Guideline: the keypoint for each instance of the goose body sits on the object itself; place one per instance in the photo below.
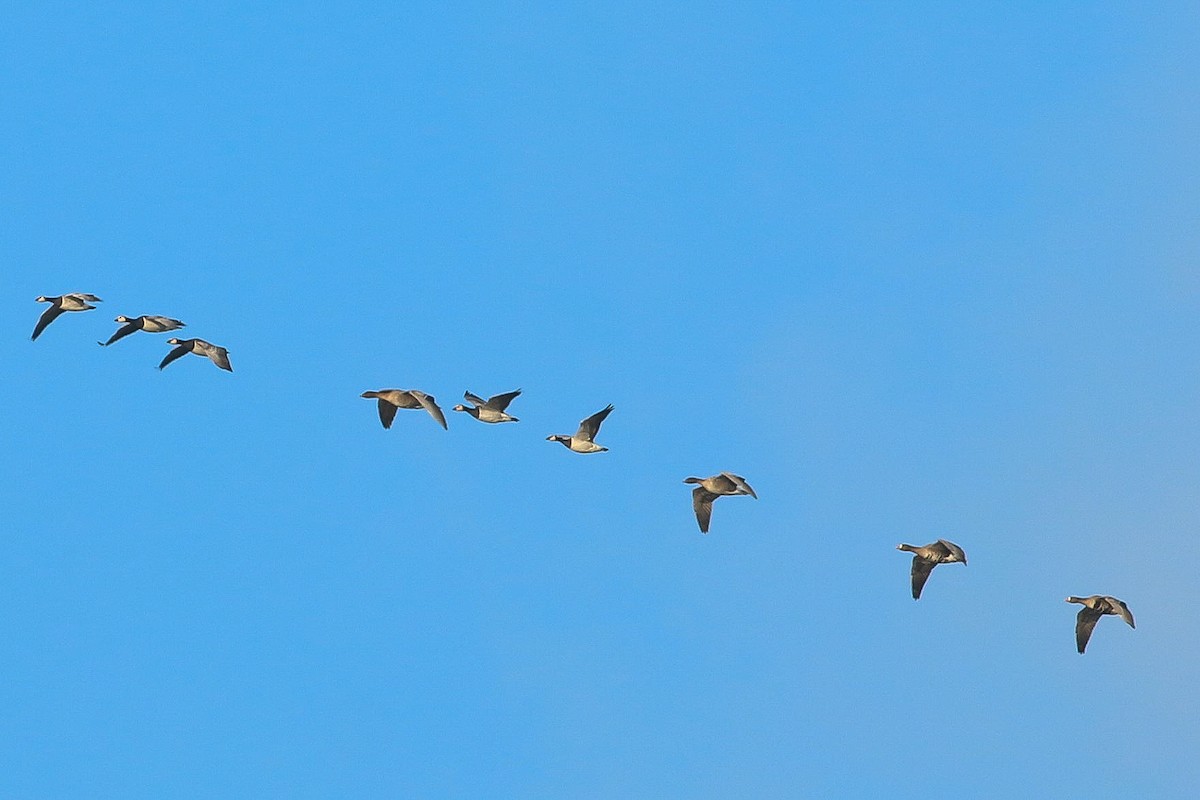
(491, 410)
(928, 556)
(582, 440)
(218, 355)
(722, 484)
(76, 301)
(147, 323)
(392, 399)
(1095, 607)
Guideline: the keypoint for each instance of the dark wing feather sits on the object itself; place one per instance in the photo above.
(387, 413)
(921, 569)
(501, 401)
(748, 488)
(951, 549)
(1122, 610)
(121, 333)
(739, 483)
(474, 399)
(220, 357)
(1084, 623)
(179, 352)
(48, 316)
(702, 501)
(429, 404)
(589, 427)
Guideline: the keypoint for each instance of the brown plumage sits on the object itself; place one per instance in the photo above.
(926, 557)
(723, 484)
(1095, 607)
(392, 399)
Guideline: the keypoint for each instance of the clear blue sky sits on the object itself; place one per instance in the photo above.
(916, 270)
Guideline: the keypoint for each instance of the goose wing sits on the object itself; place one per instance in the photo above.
(49, 315)
(501, 401)
(702, 502)
(589, 427)
(1085, 622)
(220, 357)
(179, 352)
(921, 569)
(1121, 610)
(121, 333)
(953, 550)
(428, 403)
(387, 413)
(474, 399)
(739, 484)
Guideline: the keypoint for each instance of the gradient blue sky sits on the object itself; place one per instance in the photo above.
(917, 270)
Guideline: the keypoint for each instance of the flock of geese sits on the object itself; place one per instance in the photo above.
(494, 410)
(80, 301)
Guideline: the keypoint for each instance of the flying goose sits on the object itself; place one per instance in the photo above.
(582, 442)
(218, 355)
(392, 399)
(1094, 608)
(76, 301)
(490, 410)
(149, 324)
(709, 489)
(929, 556)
